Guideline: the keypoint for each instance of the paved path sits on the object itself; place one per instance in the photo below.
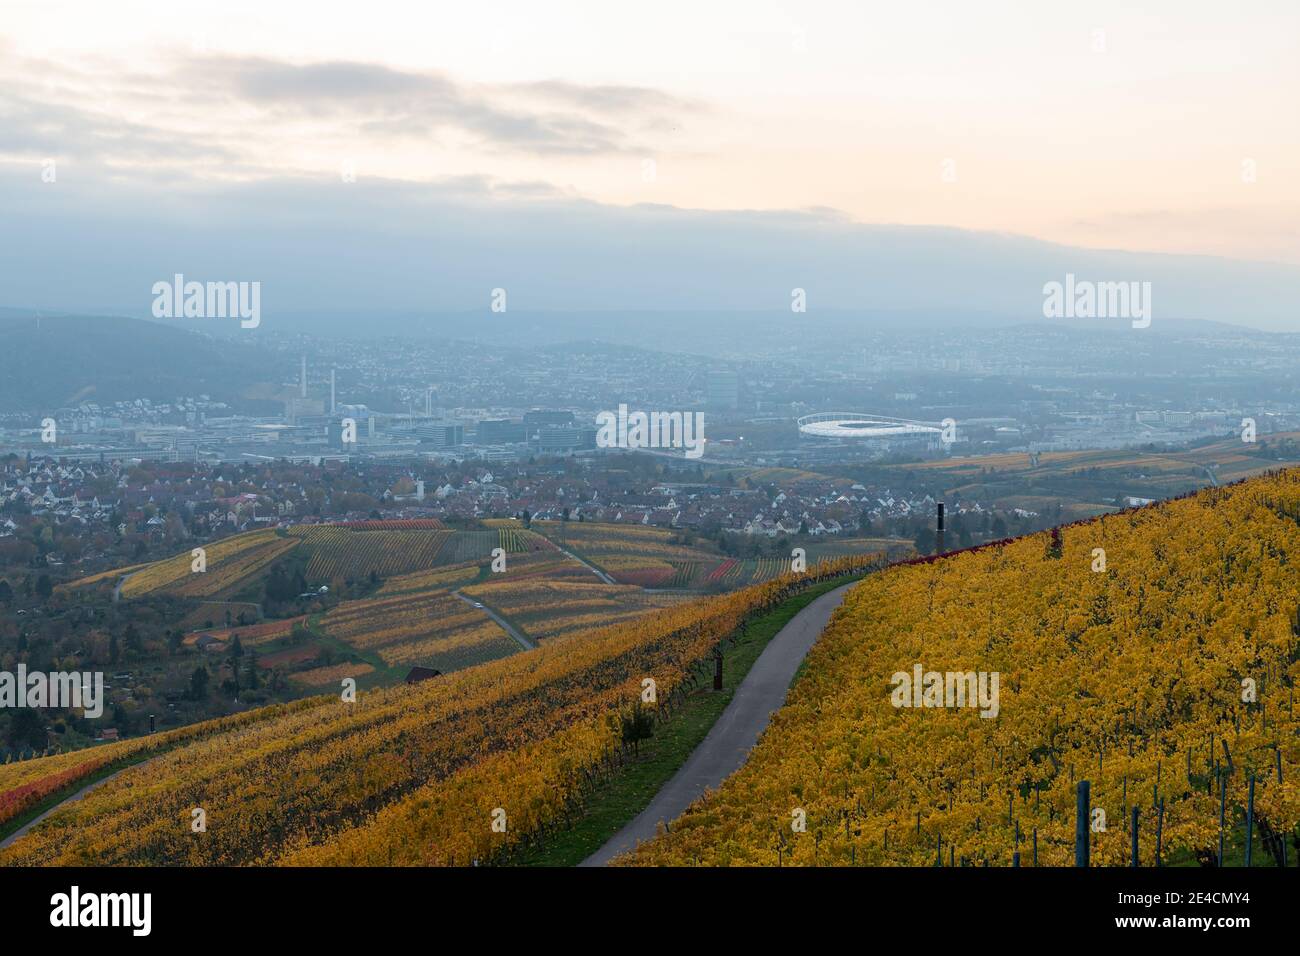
(588, 565)
(117, 591)
(728, 743)
(526, 643)
(22, 830)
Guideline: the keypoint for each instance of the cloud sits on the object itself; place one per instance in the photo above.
(234, 110)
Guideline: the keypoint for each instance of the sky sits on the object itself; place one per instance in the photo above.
(1164, 128)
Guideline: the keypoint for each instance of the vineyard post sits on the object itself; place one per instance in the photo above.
(1160, 826)
(1081, 825)
(717, 669)
(1133, 856)
(1250, 817)
(1223, 800)
(1035, 846)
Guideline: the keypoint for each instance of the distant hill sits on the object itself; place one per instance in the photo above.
(59, 360)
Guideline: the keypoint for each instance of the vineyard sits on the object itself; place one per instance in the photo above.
(434, 628)
(23, 785)
(1152, 653)
(545, 607)
(230, 562)
(344, 553)
(408, 775)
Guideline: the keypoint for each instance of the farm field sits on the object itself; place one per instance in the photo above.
(1131, 677)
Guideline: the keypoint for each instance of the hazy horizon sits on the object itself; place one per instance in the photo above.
(878, 159)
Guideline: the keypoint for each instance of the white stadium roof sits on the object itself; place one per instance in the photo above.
(853, 425)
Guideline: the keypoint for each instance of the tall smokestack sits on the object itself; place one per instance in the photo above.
(304, 376)
(331, 391)
(428, 402)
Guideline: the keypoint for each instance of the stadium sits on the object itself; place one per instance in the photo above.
(874, 430)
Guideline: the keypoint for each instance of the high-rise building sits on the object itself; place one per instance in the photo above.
(722, 389)
(441, 435)
(539, 418)
(500, 431)
(564, 438)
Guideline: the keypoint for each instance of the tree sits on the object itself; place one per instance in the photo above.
(27, 729)
(6, 593)
(44, 587)
(199, 684)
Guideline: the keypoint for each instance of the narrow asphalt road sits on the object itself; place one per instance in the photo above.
(524, 642)
(22, 830)
(588, 565)
(728, 744)
(117, 591)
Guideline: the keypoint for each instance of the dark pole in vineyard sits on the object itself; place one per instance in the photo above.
(1250, 817)
(1081, 825)
(1133, 855)
(717, 668)
(1160, 826)
(938, 535)
(1223, 800)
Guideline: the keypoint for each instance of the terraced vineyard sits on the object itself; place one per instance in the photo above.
(343, 553)
(406, 775)
(545, 607)
(434, 629)
(1153, 653)
(231, 562)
